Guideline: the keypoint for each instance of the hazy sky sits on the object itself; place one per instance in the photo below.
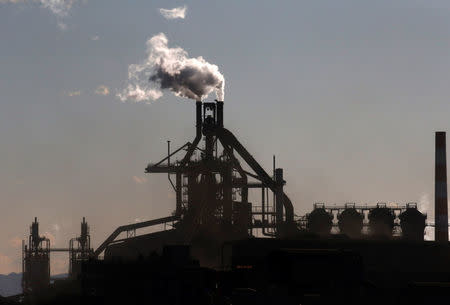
(347, 94)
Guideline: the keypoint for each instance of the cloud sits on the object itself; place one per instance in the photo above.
(73, 93)
(95, 38)
(12, 1)
(102, 90)
(59, 8)
(139, 180)
(175, 13)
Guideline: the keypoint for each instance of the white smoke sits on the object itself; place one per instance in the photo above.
(177, 12)
(426, 207)
(136, 93)
(172, 69)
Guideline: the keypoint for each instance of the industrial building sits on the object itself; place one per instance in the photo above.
(336, 254)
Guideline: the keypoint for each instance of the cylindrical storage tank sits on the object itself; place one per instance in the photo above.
(36, 275)
(412, 223)
(381, 222)
(320, 221)
(351, 222)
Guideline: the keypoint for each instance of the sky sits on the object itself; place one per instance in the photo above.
(346, 94)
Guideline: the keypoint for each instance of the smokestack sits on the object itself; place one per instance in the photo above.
(198, 105)
(219, 113)
(440, 189)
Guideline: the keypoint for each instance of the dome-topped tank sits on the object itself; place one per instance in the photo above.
(381, 221)
(412, 222)
(351, 222)
(320, 221)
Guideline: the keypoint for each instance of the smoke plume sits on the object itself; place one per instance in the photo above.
(172, 69)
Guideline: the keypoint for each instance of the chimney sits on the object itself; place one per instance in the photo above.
(219, 113)
(440, 190)
(198, 125)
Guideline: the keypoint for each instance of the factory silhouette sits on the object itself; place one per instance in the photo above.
(208, 252)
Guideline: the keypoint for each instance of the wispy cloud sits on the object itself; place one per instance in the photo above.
(12, 1)
(95, 38)
(175, 13)
(139, 180)
(73, 93)
(102, 90)
(59, 8)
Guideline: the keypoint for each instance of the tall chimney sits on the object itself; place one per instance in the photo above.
(440, 190)
(198, 123)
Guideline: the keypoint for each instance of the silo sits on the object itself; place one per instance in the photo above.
(351, 222)
(320, 221)
(412, 222)
(381, 221)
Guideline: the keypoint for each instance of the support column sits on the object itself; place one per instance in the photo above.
(227, 196)
(279, 196)
(178, 193)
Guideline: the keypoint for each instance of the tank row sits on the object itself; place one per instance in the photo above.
(377, 221)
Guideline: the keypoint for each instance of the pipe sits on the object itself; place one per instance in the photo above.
(440, 189)
(198, 122)
(133, 226)
(279, 198)
(227, 138)
(178, 193)
(219, 113)
(263, 209)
